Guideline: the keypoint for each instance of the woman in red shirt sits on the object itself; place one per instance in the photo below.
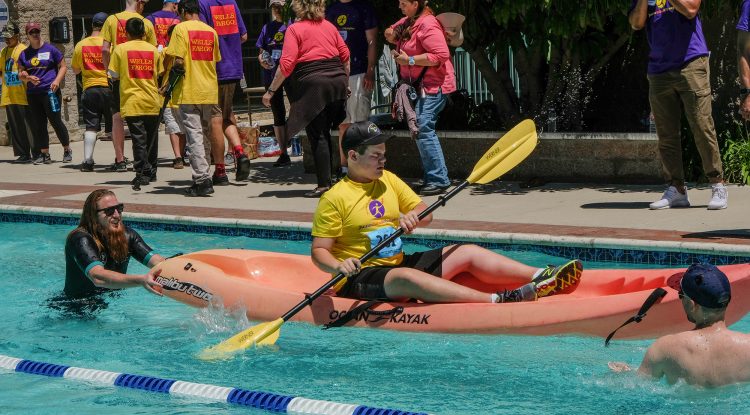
(421, 46)
(316, 61)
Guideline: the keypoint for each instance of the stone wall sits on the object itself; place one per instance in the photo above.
(560, 157)
(42, 11)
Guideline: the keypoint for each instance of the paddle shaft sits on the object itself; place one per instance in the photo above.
(387, 241)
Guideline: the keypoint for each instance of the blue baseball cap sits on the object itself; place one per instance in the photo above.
(705, 284)
(99, 19)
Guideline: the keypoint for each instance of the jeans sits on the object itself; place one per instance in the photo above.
(433, 162)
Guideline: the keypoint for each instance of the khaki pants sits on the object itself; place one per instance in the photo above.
(196, 120)
(690, 88)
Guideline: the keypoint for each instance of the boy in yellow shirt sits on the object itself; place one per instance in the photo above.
(114, 33)
(137, 65)
(97, 97)
(370, 203)
(14, 93)
(194, 47)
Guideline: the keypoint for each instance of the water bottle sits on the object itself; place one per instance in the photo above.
(267, 58)
(296, 146)
(54, 103)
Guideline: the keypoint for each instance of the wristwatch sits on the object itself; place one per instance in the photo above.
(744, 91)
(411, 60)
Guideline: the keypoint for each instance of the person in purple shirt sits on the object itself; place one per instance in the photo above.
(743, 58)
(270, 43)
(43, 68)
(358, 26)
(678, 77)
(224, 16)
(163, 20)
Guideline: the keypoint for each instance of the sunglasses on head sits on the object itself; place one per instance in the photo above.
(109, 211)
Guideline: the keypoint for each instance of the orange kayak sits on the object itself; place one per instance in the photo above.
(268, 284)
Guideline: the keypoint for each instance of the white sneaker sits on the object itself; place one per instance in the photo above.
(671, 198)
(719, 197)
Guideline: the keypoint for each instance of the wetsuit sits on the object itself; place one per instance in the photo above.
(82, 254)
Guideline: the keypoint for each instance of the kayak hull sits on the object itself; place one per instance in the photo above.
(267, 285)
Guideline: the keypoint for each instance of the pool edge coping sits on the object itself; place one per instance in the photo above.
(424, 233)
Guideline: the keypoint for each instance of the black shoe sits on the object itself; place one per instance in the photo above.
(201, 189)
(222, 180)
(120, 166)
(47, 158)
(431, 190)
(523, 293)
(141, 180)
(22, 160)
(243, 168)
(87, 166)
(283, 160)
(317, 192)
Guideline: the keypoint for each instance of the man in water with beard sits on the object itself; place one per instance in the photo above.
(97, 252)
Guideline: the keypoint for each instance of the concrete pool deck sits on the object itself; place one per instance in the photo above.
(576, 211)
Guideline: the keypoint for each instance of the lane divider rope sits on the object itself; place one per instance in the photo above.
(256, 399)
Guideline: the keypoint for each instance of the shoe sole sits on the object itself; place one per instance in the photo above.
(717, 208)
(670, 206)
(565, 282)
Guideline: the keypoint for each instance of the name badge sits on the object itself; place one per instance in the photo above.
(276, 54)
(44, 56)
(12, 79)
(379, 235)
(343, 34)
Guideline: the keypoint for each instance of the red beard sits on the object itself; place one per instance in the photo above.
(117, 243)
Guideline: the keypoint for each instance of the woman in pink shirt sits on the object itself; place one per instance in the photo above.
(421, 46)
(316, 61)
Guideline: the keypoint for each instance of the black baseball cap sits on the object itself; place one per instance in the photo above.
(705, 284)
(362, 133)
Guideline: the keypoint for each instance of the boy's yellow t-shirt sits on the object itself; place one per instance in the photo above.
(113, 30)
(87, 56)
(14, 91)
(138, 65)
(198, 45)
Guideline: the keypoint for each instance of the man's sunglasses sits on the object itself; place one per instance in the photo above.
(109, 211)
(35, 32)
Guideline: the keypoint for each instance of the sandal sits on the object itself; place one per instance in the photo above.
(317, 192)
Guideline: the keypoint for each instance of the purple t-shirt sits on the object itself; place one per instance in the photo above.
(41, 63)
(271, 39)
(224, 16)
(674, 39)
(744, 22)
(162, 20)
(352, 20)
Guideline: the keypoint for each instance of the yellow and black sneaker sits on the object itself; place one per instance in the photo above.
(561, 279)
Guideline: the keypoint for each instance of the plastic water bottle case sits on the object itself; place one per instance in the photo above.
(54, 102)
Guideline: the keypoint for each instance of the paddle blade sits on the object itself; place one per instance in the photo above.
(510, 150)
(264, 334)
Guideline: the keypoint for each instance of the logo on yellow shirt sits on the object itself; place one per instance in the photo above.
(341, 20)
(377, 209)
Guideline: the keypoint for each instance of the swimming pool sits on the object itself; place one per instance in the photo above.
(435, 373)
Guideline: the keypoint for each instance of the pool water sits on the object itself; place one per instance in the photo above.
(437, 373)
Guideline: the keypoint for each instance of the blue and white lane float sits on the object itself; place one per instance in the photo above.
(255, 399)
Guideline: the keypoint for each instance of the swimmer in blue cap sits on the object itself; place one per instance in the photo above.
(709, 355)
